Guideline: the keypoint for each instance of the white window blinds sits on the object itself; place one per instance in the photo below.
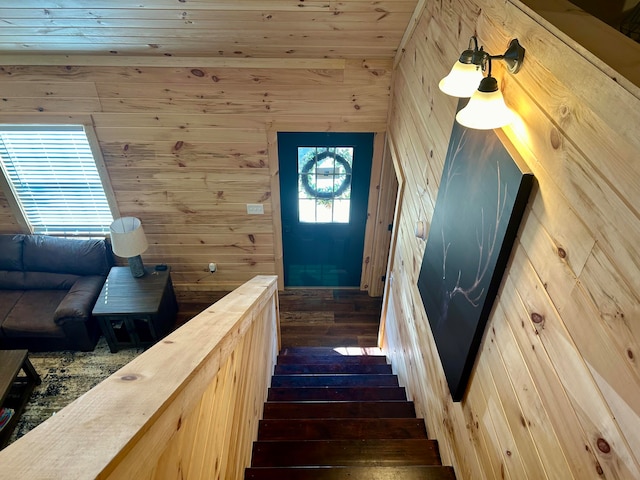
(54, 178)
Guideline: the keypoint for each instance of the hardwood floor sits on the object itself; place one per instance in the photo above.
(312, 317)
(329, 318)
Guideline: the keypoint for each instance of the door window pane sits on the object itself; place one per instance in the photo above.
(307, 209)
(324, 181)
(341, 211)
(324, 212)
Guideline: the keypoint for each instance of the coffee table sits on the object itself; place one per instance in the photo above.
(136, 312)
(14, 388)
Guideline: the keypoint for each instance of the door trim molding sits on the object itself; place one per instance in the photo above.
(366, 279)
(276, 216)
(399, 172)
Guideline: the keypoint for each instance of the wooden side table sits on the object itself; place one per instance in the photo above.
(15, 390)
(136, 312)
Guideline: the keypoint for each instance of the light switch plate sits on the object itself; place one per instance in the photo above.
(255, 209)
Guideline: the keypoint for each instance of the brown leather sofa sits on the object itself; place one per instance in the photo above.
(48, 287)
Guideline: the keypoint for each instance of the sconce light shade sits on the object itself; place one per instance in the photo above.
(128, 241)
(462, 81)
(486, 108)
(485, 111)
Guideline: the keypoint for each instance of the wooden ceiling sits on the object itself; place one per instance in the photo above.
(206, 28)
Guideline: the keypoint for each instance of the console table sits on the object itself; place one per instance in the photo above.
(15, 389)
(136, 312)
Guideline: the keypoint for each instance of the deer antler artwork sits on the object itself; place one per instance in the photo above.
(481, 199)
(486, 237)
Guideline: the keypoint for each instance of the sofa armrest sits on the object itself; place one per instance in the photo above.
(79, 301)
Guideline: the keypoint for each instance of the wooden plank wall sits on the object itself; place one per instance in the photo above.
(186, 408)
(555, 392)
(7, 219)
(186, 148)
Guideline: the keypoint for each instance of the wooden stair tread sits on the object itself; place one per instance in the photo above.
(339, 359)
(342, 380)
(333, 351)
(336, 368)
(341, 428)
(345, 453)
(423, 472)
(336, 393)
(345, 409)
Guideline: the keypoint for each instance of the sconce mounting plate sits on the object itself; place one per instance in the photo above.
(514, 56)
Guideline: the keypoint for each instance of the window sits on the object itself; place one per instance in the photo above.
(324, 184)
(52, 175)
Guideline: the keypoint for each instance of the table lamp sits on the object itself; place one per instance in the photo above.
(128, 241)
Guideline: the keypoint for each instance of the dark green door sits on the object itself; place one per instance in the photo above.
(324, 189)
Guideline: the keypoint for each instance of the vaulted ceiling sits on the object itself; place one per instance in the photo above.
(206, 28)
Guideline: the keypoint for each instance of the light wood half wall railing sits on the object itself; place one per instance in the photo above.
(186, 408)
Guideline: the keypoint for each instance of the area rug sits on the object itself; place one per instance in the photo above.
(65, 376)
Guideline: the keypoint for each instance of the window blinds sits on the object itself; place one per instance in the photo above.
(55, 180)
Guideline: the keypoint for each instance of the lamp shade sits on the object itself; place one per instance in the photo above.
(462, 81)
(485, 111)
(127, 237)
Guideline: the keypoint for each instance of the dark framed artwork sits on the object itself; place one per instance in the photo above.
(482, 196)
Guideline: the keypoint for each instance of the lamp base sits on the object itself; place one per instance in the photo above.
(136, 266)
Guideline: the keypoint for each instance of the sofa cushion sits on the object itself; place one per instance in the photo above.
(32, 315)
(11, 252)
(64, 255)
(37, 280)
(11, 280)
(8, 299)
(49, 281)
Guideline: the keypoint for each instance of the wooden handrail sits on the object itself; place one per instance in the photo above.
(186, 408)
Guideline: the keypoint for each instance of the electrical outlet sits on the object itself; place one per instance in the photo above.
(255, 209)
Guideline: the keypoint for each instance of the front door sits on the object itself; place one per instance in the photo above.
(324, 189)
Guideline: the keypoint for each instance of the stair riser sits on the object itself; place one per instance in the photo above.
(380, 409)
(345, 453)
(341, 429)
(352, 473)
(294, 369)
(307, 359)
(336, 394)
(347, 380)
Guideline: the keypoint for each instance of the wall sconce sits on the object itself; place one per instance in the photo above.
(486, 108)
(128, 241)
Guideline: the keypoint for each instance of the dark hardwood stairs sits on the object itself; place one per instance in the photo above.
(337, 417)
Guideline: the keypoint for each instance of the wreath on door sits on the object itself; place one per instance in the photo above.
(326, 193)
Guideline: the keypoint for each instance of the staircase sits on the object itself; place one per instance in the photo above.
(337, 417)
